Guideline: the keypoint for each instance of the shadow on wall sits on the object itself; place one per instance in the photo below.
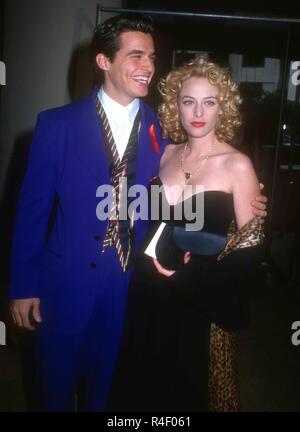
(14, 179)
(81, 79)
(81, 73)
(13, 182)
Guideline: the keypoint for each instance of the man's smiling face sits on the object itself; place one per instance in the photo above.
(129, 74)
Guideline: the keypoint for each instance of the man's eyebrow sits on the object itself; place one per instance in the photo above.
(136, 51)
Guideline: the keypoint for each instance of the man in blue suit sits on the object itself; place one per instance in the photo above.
(71, 270)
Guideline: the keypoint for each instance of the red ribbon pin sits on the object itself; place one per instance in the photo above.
(155, 145)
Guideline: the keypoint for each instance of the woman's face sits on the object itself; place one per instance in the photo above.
(199, 108)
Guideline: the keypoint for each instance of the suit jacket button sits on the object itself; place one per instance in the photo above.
(93, 265)
(97, 238)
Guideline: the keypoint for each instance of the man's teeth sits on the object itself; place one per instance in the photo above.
(142, 79)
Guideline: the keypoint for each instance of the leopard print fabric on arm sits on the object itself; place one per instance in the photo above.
(223, 386)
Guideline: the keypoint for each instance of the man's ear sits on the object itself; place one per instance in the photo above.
(103, 62)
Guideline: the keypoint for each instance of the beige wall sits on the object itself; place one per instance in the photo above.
(43, 38)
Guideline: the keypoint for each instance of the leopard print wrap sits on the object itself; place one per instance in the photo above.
(223, 387)
(223, 378)
(250, 234)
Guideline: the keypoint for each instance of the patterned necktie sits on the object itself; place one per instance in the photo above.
(118, 233)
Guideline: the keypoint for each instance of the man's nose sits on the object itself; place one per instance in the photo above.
(148, 65)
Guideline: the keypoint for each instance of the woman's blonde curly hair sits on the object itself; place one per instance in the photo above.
(229, 99)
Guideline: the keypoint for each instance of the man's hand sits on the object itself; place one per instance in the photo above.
(168, 273)
(21, 309)
(259, 205)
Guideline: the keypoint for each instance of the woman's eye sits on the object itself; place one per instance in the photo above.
(187, 102)
(210, 103)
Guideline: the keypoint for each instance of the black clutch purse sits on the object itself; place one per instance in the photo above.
(198, 242)
(176, 240)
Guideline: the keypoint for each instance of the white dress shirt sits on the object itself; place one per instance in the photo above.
(120, 118)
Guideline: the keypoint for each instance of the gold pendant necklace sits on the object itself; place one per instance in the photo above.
(187, 174)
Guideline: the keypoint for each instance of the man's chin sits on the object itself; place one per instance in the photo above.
(141, 91)
(144, 94)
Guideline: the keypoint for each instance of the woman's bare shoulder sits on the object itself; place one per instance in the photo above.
(238, 162)
(170, 150)
(172, 147)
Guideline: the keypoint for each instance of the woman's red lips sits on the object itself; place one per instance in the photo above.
(198, 124)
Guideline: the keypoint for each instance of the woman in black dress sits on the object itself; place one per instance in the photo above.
(185, 304)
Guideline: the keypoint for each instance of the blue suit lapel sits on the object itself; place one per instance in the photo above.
(147, 163)
(90, 144)
(147, 159)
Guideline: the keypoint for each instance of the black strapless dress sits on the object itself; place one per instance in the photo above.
(163, 360)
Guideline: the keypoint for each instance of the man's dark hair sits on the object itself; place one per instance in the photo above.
(106, 38)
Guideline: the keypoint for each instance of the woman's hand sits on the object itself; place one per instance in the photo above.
(166, 272)
(161, 269)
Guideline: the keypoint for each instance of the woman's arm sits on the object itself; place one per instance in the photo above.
(245, 186)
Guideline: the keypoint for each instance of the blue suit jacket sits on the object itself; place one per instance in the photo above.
(67, 164)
